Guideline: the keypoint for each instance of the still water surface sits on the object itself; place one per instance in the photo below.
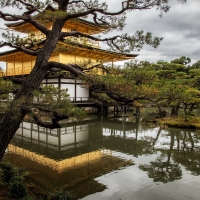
(111, 158)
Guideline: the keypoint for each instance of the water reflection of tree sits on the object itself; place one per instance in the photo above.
(182, 149)
(188, 154)
(162, 169)
(134, 146)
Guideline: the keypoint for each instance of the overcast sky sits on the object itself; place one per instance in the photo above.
(180, 28)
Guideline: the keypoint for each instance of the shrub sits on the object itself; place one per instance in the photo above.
(62, 195)
(28, 198)
(17, 189)
(17, 178)
(2, 183)
(7, 171)
(14, 177)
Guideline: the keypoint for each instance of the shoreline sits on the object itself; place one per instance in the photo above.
(191, 122)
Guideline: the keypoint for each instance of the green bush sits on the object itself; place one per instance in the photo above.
(17, 178)
(28, 198)
(17, 189)
(7, 171)
(14, 178)
(2, 183)
(62, 195)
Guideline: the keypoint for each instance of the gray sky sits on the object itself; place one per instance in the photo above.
(180, 28)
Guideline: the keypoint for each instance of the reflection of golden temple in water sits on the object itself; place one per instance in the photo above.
(62, 158)
(62, 165)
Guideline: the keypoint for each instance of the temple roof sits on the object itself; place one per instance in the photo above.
(101, 54)
(78, 24)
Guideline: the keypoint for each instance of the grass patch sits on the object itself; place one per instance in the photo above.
(180, 122)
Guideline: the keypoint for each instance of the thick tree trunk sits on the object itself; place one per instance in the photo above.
(13, 117)
(185, 109)
(8, 127)
(192, 108)
(174, 111)
(161, 113)
(11, 120)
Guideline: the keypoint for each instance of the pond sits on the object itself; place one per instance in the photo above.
(111, 158)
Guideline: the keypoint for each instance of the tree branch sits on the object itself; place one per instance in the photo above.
(17, 81)
(72, 68)
(122, 43)
(126, 5)
(55, 118)
(39, 122)
(25, 50)
(26, 17)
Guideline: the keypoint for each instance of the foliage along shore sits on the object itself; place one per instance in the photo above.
(192, 122)
(13, 186)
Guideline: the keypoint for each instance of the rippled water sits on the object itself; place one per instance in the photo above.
(111, 158)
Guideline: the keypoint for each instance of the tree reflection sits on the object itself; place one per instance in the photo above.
(175, 147)
(136, 146)
(162, 169)
(188, 153)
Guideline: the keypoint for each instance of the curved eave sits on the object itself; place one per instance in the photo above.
(73, 24)
(99, 54)
(14, 55)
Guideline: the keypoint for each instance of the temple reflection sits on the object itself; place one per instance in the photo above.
(64, 158)
(73, 156)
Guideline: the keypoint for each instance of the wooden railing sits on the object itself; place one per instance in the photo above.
(2, 73)
(18, 71)
(80, 99)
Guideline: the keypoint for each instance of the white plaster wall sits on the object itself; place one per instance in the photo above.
(67, 80)
(67, 139)
(26, 133)
(55, 85)
(52, 131)
(82, 136)
(35, 135)
(53, 140)
(67, 134)
(55, 80)
(42, 137)
(19, 131)
(68, 130)
(26, 125)
(70, 87)
(82, 92)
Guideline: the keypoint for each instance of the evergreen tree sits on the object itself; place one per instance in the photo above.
(59, 13)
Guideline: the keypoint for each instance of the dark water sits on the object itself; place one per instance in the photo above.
(111, 158)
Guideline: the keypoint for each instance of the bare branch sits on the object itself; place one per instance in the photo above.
(121, 43)
(55, 118)
(26, 17)
(23, 49)
(126, 5)
(31, 9)
(100, 66)
(73, 68)
(17, 80)
(39, 122)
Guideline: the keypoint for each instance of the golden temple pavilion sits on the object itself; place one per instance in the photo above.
(76, 50)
